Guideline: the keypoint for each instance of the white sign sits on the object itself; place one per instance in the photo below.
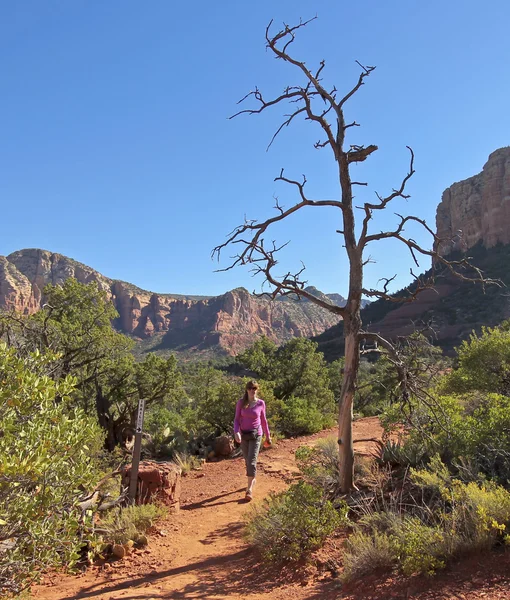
(139, 416)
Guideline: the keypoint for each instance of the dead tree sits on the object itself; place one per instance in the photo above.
(324, 106)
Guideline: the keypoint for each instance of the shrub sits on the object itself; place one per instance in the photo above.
(366, 552)
(420, 548)
(385, 540)
(432, 518)
(319, 465)
(47, 459)
(299, 417)
(128, 523)
(291, 525)
(476, 515)
(187, 462)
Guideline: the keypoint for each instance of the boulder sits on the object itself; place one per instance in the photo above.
(157, 482)
(223, 445)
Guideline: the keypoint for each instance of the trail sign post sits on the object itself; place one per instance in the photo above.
(135, 463)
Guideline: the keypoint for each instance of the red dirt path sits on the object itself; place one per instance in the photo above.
(200, 552)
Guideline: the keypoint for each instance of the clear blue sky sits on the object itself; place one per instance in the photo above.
(116, 150)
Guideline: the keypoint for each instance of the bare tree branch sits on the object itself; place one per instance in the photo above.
(317, 103)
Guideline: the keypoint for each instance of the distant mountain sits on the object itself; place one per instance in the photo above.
(228, 323)
(335, 299)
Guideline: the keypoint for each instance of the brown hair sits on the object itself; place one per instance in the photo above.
(249, 385)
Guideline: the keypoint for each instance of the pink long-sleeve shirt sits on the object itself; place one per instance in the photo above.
(248, 419)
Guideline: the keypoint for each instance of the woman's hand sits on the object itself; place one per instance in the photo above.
(237, 437)
(268, 443)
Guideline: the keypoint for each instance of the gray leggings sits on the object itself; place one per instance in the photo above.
(250, 450)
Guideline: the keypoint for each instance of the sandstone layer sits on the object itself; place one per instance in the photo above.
(477, 209)
(231, 321)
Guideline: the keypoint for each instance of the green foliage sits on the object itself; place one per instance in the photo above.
(128, 523)
(420, 548)
(218, 404)
(319, 465)
(475, 515)
(187, 462)
(76, 322)
(291, 525)
(367, 552)
(170, 430)
(435, 518)
(404, 542)
(399, 454)
(260, 358)
(299, 417)
(302, 372)
(299, 377)
(483, 364)
(46, 446)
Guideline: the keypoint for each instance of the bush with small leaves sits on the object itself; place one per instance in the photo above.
(300, 417)
(122, 525)
(366, 552)
(292, 524)
(389, 540)
(319, 465)
(47, 459)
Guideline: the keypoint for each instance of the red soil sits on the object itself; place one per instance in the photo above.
(200, 553)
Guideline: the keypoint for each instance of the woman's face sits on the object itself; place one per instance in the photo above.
(252, 392)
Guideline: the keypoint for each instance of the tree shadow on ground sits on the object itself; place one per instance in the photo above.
(236, 573)
(207, 502)
(242, 574)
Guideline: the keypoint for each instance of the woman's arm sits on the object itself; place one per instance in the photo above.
(263, 421)
(237, 418)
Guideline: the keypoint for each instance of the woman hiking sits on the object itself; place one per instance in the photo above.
(249, 424)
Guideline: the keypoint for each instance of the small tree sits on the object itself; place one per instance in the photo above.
(76, 323)
(48, 456)
(324, 106)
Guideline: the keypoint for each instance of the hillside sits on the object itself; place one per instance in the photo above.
(219, 325)
(472, 220)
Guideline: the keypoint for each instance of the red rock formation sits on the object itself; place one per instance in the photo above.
(231, 321)
(477, 209)
(157, 481)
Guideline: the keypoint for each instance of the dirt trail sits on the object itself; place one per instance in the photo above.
(200, 552)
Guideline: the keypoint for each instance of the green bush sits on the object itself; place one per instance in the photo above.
(420, 548)
(128, 523)
(387, 540)
(475, 515)
(299, 417)
(366, 552)
(47, 459)
(434, 518)
(319, 465)
(291, 525)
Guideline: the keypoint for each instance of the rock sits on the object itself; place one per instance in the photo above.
(477, 209)
(118, 551)
(231, 321)
(141, 540)
(157, 481)
(223, 445)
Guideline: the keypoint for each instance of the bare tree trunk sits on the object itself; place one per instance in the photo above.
(345, 413)
(315, 102)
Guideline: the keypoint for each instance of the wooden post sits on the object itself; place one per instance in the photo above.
(135, 463)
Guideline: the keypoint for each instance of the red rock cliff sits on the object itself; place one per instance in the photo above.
(477, 209)
(231, 321)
